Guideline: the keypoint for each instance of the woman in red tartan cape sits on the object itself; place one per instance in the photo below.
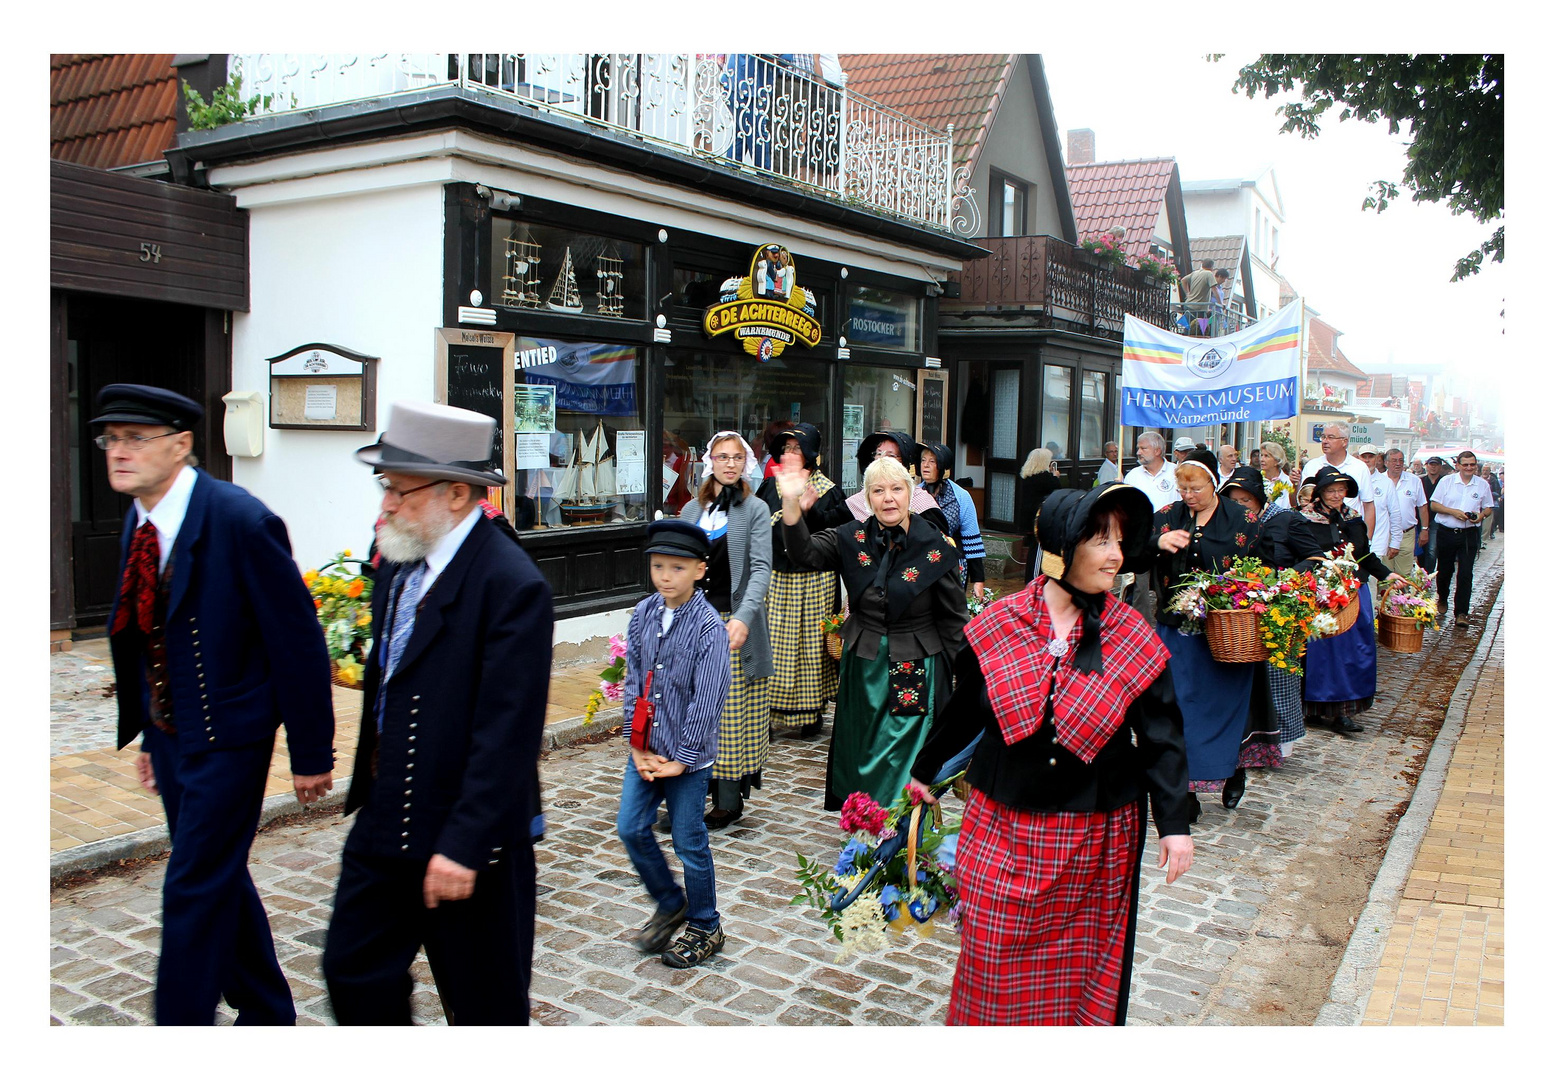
(1055, 681)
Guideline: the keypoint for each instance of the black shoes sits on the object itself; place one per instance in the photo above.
(719, 819)
(656, 933)
(693, 947)
(1194, 808)
(1232, 789)
(1345, 723)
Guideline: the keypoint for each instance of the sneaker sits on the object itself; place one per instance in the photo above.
(656, 933)
(693, 947)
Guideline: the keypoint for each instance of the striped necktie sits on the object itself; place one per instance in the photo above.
(400, 627)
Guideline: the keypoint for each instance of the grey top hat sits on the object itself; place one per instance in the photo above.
(435, 441)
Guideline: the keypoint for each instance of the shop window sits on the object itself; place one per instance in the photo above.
(1058, 383)
(580, 445)
(545, 268)
(1094, 388)
(1004, 410)
(874, 399)
(882, 319)
(707, 392)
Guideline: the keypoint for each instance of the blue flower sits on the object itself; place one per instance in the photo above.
(921, 910)
(845, 864)
(891, 896)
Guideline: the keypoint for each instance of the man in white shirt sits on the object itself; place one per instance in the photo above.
(1459, 503)
(1387, 536)
(1413, 510)
(1153, 475)
(1226, 462)
(1333, 443)
(1109, 470)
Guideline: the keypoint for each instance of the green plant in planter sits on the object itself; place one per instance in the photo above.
(226, 106)
(1106, 247)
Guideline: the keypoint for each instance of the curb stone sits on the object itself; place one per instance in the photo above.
(1353, 982)
(144, 843)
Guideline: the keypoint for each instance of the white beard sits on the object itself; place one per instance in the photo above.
(403, 542)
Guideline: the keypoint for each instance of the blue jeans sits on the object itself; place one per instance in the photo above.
(684, 797)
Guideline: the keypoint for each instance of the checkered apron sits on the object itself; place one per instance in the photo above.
(1047, 914)
(804, 676)
(743, 726)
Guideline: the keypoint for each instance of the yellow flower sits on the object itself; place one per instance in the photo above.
(309, 577)
(346, 554)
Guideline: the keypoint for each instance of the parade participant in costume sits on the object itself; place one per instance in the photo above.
(215, 644)
(1077, 720)
(1284, 543)
(1036, 483)
(903, 631)
(454, 701)
(896, 445)
(962, 523)
(1340, 673)
(1202, 532)
(804, 676)
(739, 562)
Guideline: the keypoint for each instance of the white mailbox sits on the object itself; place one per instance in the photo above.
(243, 425)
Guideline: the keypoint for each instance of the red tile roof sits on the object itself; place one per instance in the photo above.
(1342, 364)
(111, 110)
(961, 89)
(1129, 194)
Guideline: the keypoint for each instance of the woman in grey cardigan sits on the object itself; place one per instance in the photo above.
(739, 563)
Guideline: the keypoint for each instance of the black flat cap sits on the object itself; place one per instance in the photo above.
(133, 403)
(672, 536)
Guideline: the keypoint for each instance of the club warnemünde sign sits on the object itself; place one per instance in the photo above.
(766, 310)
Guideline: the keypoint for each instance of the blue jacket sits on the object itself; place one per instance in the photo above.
(245, 651)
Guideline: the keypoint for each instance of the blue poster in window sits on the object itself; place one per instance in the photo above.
(589, 377)
(872, 323)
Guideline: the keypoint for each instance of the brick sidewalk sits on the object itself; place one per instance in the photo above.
(1443, 963)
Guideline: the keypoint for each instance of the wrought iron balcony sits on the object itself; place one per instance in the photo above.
(1061, 284)
(756, 112)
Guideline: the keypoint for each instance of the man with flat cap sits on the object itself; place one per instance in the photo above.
(454, 700)
(215, 644)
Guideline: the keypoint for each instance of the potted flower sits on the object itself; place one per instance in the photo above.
(1106, 247)
(1158, 270)
(612, 676)
(894, 870)
(343, 601)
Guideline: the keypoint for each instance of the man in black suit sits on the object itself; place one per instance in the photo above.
(453, 704)
(215, 644)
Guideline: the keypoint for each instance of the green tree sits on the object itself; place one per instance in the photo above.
(1453, 105)
(226, 106)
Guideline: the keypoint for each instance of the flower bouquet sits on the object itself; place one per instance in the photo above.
(977, 604)
(832, 630)
(611, 678)
(1250, 612)
(343, 601)
(1405, 611)
(1337, 585)
(895, 870)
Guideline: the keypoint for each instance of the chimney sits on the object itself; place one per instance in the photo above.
(1080, 146)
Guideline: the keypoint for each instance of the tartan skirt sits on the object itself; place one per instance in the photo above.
(743, 726)
(1048, 914)
(804, 677)
(1286, 694)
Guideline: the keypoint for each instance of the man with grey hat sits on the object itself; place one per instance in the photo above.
(215, 644)
(453, 705)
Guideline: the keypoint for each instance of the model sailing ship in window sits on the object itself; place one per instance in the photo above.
(608, 290)
(586, 493)
(564, 291)
(521, 271)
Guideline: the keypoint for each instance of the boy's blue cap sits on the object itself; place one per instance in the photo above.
(672, 536)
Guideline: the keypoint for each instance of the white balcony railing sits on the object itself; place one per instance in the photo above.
(757, 112)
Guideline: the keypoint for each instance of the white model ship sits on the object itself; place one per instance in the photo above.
(564, 291)
(587, 490)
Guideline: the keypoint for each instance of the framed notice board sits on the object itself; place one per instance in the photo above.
(930, 423)
(474, 369)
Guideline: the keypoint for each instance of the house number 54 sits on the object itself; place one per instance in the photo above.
(151, 253)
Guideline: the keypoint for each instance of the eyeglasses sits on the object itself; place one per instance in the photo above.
(133, 443)
(882, 451)
(728, 459)
(389, 488)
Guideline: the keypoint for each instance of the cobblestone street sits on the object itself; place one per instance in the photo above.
(1252, 935)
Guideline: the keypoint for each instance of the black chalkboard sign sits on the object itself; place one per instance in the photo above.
(476, 383)
(932, 409)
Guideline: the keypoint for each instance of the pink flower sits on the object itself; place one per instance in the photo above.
(861, 813)
(612, 690)
(618, 647)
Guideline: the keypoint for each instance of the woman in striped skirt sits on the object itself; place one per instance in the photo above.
(804, 676)
(739, 563)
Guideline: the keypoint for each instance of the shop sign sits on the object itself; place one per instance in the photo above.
(766, 310)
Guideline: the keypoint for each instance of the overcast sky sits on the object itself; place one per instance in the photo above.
(1382, 279)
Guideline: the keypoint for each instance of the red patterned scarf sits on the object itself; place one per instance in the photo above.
(1010, 639)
